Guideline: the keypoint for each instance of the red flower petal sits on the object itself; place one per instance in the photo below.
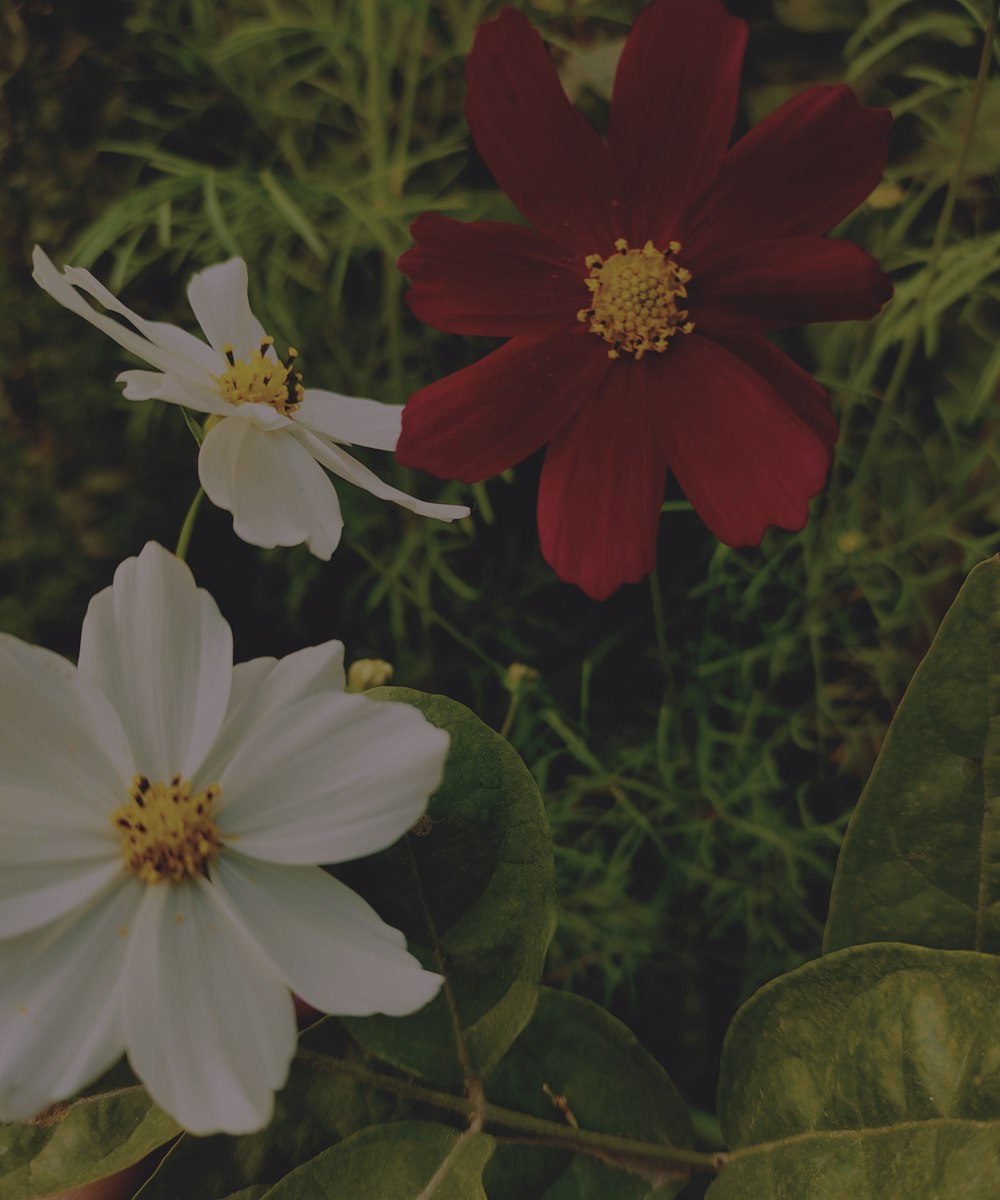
(490, 278)
(797, 388)
(487, 417)
(787, 281)
(801, 170)
(742, 456)
(602, 487)
(673, 108)
(542, 151)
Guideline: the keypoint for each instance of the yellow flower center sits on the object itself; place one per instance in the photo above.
(635, 296)
(262, 380)
(167, 830)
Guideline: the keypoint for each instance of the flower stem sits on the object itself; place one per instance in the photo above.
(541, 1130)
(188, 526)
(663, 717)
(656, 595)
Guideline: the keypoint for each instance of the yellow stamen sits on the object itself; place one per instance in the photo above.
(167, 830)
(635, 294)
(262, 380)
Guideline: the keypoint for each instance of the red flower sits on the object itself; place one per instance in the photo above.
(637, 305)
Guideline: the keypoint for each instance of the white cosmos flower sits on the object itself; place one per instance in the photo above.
(263, 455)
(162, 815)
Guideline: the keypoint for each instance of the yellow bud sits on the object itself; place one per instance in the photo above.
(886, 195)
(519, 674)
(368, 673)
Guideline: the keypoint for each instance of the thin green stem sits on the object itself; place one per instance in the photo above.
(426, 611)
(908, 349)
(188, 527)
(663, 717)
(508, 721)
(539, 1129)
(656, 595)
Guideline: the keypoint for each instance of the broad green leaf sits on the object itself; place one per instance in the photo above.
(476, 886)
(864, 1072)
(921, 859)
(814, 16)
(315, 1110)
(575, 1053)
(411, 1160)
(952, 1160)
(112, 1125)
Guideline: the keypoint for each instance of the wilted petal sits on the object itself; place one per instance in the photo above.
(342, 464)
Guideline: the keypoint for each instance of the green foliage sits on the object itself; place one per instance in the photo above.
(315, 1110)
(575, 1059)
(414, 1158)
(872, 1072)
(111, 1126)
(696, 797)
(921, 860)
(475, 892)
(815, 16)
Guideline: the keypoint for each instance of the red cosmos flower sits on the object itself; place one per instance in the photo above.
(636, 307)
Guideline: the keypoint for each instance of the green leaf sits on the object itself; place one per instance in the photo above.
(953, 1160)
(921, 859)
(111, 1126)
(411, 1160)
(313, 1111)
(871, 1073)
(475, 896)
(609, 1083)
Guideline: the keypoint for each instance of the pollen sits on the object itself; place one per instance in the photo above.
(262, 380)
(636, 298)
(166, 829)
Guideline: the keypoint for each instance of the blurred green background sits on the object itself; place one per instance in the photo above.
(696, 823)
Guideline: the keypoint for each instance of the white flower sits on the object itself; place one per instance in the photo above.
(162, 815)
(261, 457)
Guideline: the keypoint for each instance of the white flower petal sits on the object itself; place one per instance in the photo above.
(60, 1022)
(351, 419)
(342, 464)
(218, 298)
(264, 687)
(263, 416)
(49, 828)
(57, 735)
(158, 646)
(176, 352)
(209, 1025)
(276, 492)
(185, 345)
(190, 355)
(61, 290)
(330, 946)
(155, 385)
(336, 777)
(35, 894)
